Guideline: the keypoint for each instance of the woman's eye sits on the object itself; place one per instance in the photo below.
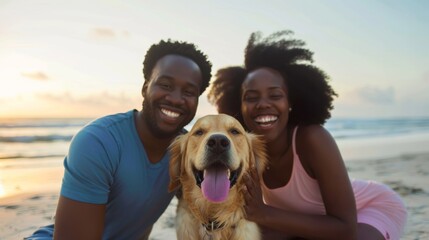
(276, 97)
(250, 99)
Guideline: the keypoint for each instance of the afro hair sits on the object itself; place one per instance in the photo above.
(310, 94)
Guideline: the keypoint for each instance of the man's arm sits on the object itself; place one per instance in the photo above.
(78, 220)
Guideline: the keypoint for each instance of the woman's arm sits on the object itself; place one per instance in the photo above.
(78, 220)
(320, 155)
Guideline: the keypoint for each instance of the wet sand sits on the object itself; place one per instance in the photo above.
(34, 195)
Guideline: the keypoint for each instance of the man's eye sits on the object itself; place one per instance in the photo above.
(165, 86)
(190, 93)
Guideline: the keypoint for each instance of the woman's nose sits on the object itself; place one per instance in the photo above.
(263, 103)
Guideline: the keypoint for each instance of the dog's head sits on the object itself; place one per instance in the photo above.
(214, 155)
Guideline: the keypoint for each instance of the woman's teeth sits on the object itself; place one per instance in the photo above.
(266, 120)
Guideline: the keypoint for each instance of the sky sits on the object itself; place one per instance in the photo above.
(83, 58)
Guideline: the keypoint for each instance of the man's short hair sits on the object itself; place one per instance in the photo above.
(188, 50)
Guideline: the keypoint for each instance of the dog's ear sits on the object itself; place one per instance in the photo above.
(175, 167)
(258, 148)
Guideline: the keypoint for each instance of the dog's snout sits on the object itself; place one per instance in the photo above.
(218, 143)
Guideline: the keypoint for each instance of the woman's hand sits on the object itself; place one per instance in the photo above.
(257, 210)
(255, 205)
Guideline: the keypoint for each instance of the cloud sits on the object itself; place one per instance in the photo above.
(103, 33)
(40, 76)
(370, 101)
(69, 104)
(376, 95)
(125, 33)
(96, 99)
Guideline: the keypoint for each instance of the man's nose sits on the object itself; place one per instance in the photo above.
(175, 97)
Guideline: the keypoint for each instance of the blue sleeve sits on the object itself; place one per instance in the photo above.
(90, 166)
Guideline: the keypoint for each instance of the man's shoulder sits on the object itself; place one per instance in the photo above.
(109, 126)
(112, 119)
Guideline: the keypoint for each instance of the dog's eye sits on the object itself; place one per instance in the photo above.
(199, 132)
(234, 131)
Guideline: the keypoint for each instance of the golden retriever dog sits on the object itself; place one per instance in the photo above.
(209, 163)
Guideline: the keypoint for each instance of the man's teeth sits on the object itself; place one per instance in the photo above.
(170, 113)
(266, 119)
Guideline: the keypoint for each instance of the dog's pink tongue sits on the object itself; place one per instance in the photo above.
(215, 185)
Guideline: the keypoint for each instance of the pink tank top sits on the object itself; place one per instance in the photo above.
(302, 193)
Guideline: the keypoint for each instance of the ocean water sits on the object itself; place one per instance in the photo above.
(33, 140)
(370, 128)
(36, 138)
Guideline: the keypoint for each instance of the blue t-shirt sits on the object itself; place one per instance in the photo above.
(107, 164)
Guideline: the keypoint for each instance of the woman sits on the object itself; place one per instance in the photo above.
(306, 189)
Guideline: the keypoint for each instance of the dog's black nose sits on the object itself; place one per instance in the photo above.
(218, 143)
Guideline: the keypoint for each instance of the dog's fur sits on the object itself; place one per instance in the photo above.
(221, 141)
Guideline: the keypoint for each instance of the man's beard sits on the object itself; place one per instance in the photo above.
(149, 116)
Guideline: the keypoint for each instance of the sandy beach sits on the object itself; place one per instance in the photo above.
(31, 193)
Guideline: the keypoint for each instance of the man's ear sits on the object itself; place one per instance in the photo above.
(176, 156)
(144, 89)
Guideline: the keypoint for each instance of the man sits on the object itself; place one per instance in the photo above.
(115, 184)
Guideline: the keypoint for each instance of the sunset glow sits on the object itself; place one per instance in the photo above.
(80, 58)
